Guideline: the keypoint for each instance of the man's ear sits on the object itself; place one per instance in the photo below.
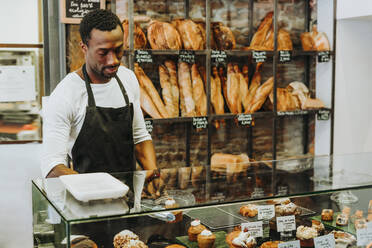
(84, 47)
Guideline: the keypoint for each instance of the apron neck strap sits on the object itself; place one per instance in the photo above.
(91, 101)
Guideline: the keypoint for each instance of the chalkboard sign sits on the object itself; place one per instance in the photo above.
(149, 125)
(73, 10)
(323, 115)
(245, 120)
(218, 58)
(259, 56)
(200, 122)
(186, 56)
(285, 56)
(143, 56)
(324, 57)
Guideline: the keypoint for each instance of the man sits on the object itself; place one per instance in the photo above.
(94, 113)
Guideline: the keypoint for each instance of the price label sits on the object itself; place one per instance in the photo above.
(285, 56)
(266, 212)
(143, 56)
(253, 228)
(149, 125)
(200, 122)
(245, 120)
(292, 113)
(286, 223)
(323, 115)
(324, 57)
(186, 56)
(282, 190)
(364, 236)
(290, 244)
(258, 193)
(326, 241)
(259, 56)
(218, 57)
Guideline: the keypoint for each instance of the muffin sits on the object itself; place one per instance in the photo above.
(195, 229)
(206, 239)
(306, 235)
(271, 244)
(287, 209)
(83, 242)
(327, 214)
(342, 220)
(171, 203)
(318, 226)
(123, 237)
(249, 210)
(237, 239)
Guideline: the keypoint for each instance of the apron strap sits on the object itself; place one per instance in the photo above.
(91, 101)
(122, 90)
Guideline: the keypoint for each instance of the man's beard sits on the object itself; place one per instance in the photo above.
(107, 75)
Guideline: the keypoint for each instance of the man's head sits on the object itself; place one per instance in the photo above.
(102, 43)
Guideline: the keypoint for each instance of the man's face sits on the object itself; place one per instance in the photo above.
(104, 52)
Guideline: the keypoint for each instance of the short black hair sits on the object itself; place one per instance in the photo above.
(100, 19)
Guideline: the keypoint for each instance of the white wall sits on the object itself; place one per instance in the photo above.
(18, 163)
(353, 118)
(353, 8)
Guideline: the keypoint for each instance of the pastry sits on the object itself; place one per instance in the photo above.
(357, 215)
(306, 235)
(369, 218)
(370, 207)
(287, 209)
(206, 239)
(360, 223)
(342, 220)
(175, 246)
(239, 238)
(346, 211)
(369, 245)
(343, 238)
(134, 244)
(327, 214)
(279, 201)
(317, 225)
(249, 210)
(83, 242)
(195, 229)
(171, 203)
(270, 244)
(123, 237)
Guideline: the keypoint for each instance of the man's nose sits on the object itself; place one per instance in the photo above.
(112, 59)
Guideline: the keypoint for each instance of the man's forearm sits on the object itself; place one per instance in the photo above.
(145, 155)
(60, 170)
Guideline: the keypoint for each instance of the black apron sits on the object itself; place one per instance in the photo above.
(105, 142)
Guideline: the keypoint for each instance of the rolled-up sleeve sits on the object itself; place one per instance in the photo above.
(140, 132)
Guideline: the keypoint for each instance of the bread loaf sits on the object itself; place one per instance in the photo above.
(162, 35)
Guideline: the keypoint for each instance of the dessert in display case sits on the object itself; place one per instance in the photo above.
(230, 209)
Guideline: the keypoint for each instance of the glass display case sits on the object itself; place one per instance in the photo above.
(271, 201)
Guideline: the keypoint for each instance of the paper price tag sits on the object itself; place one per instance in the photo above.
(364, 236)
(290, 244)
(324, 57)
(186, 56)
(266, 212)
(200, 122)
(143, 56)
(286, 223)
(259, 56)
(285, 56)
(254, 228)
(326, 241)
(149, 125)
(323, 115)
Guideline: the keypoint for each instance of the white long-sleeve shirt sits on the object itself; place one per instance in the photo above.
(64, 113)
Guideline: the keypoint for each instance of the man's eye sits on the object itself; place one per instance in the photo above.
(102, 53)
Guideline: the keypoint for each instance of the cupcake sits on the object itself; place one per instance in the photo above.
(249, 210)
(206, 239)
(171, 203)
(306, 235)
(237, 239)
(327, 214)
(318, 226)
(195, 229)
(123, 237)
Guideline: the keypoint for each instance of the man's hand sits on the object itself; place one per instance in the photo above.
(154, 186)
(60, 170)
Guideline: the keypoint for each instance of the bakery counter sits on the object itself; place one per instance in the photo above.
(269, 200)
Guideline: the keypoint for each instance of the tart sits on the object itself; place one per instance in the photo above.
(327, 214)
(195, 229)
(306, 235)
(249, 210)
(237, 239)
(206, 239)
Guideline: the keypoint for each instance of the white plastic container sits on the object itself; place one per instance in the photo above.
(94, 186)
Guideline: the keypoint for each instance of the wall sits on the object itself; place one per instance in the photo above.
(18, 163)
